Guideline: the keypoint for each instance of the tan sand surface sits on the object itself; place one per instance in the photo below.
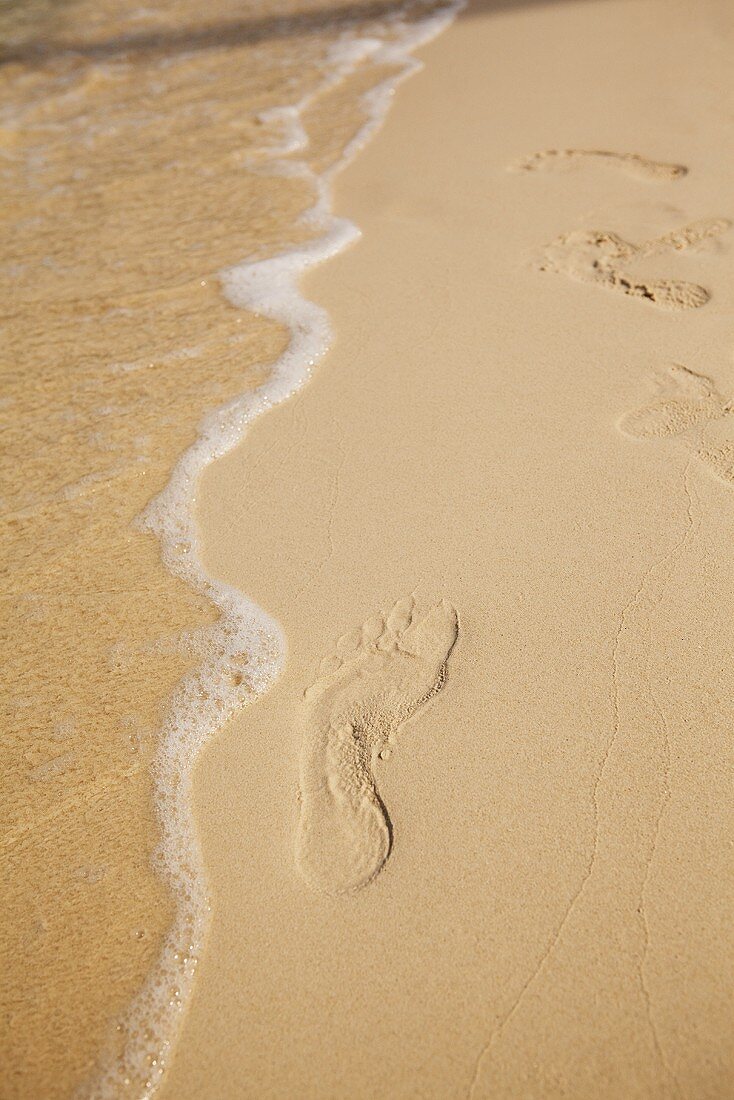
(554, 917)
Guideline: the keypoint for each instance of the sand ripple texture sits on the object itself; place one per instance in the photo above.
(129, 145)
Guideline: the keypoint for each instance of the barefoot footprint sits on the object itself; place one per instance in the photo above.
(593, 256)
(383, 674)
(632, 163)
(719, 460)
(686, 401)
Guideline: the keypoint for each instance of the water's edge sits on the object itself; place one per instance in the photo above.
(243, 653)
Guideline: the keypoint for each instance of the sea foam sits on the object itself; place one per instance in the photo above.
(243, 653)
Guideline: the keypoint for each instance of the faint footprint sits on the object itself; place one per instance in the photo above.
(382, 675)
(631, 163)
(719, 460)
(591, 256)
(686, 401)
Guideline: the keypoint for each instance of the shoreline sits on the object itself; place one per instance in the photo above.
(104, 646)
(246, 647)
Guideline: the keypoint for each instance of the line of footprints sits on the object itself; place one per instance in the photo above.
(686, 402)
(384, 673)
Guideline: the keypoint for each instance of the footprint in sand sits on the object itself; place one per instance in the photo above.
(719, 460)
(631, 163)
(686, 402)
(383, 674)
(591, 256)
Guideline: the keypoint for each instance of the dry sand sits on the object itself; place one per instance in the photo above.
(525, 425)
(554, 916)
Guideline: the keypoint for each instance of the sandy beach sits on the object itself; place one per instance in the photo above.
(476, 839)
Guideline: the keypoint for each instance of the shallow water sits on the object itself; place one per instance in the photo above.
(137, 149)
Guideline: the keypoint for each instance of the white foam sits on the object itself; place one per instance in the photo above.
(243, 653)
